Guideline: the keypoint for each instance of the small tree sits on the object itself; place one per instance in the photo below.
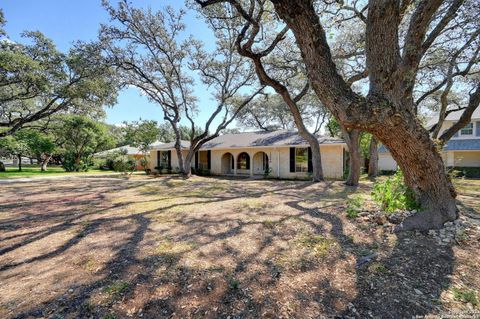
(142, 134)
(81, 137)
(14, 145)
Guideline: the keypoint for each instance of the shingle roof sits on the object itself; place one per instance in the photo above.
(452, 145)
(129, 149)
(463, 145)
(256, 139)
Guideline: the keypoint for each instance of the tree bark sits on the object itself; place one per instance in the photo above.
(373, 162)
(19, 162)
(352, 138)
(388, 110)
(2, 167)
(45, 162)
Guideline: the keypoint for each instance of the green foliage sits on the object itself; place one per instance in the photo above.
(37, 80)
(392, 194)
(465, 295)
(122, 163)
(142, 134)
(117, 287)
(354, 206)
(81, 137)
(201, 171)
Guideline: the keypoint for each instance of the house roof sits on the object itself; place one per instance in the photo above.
(463, 145)
(453, 116)
(452, 145)
(129, 149)
(256, 139)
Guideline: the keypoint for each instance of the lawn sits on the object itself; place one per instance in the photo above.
(165, 247)
(34, 171)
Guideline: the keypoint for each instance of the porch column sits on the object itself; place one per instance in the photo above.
(234, 164)
(278, 163)
(251, 164)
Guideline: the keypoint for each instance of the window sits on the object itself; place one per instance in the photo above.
(301, 159)
(243, 161)
(467, 130)
(163, 159)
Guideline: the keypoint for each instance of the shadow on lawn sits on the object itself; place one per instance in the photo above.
(413, 265)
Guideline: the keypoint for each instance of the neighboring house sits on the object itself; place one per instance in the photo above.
(462, 150)
(132, 152)
(284, 154)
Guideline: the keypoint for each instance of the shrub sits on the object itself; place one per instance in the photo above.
(124, 165)
(465, 295)
(354, 206)
(469, 172)
(392, 194)
(201, 171)
(70, 164)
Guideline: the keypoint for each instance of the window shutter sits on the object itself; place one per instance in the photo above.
(477, 132)
(292, 159)
(209, 159)
(310, 164)
(248, 160)
(196, 160)
(233, 161)
(169, 154)
(158, 158)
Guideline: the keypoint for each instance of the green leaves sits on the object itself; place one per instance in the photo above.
(392, 194)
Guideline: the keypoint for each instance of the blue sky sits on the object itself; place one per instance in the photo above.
(65, 21)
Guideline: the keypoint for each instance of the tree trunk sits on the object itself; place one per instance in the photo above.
(45, 162)
(352, 138)
(373, 162)
(2, 167)
(187, 164)
(19, 162)
(387, 112)
(424, 171)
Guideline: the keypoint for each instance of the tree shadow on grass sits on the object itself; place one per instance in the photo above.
(249, 288)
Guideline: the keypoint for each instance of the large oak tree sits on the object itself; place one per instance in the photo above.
(397, 37)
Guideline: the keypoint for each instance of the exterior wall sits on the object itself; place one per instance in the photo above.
(386, 162)
(466, 158)
(459, 136)
(279, 162)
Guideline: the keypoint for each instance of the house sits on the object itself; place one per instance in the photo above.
(282, 154)
(461, 151)
(132, 153)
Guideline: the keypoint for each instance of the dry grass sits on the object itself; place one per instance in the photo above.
(209, 247)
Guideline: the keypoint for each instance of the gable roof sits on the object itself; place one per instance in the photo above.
(255, 139)
(453, 116)
(129, 149)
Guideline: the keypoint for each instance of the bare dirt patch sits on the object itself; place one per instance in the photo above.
(209, 247)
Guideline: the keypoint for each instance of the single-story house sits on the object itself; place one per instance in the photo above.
(462, 150)
(283, 154)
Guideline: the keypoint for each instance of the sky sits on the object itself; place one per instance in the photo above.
(65, 21)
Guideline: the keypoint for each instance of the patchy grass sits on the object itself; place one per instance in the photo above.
(166, 247)
(35, 171)
(465, 295)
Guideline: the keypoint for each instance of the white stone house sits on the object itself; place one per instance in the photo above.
(284, 154)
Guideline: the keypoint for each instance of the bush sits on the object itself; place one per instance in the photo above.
(201, 171)
(392, 194)
(70, 165)
(469, 172)
(124, 164)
